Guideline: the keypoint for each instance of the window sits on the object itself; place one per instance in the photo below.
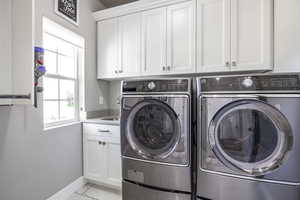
(61, 93)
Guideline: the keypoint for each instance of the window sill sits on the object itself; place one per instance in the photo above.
(49, 128)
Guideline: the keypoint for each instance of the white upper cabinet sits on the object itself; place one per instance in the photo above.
(213, 29)
(191, 36)
(287, 36)
(251, 35)
(154, 32)
(130, 41)
(235, 35)
(119, 47)
(108, 49)
(181, 38)
(16, 51)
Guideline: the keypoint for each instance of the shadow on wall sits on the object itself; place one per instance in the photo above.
(113, 3)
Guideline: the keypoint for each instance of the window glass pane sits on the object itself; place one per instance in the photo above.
(50, 62)
(50, 88)
(67, 110)
(66, 66)
(51, 111)
(67, 90)
(50, 42)
(247, 135)
(65, 48)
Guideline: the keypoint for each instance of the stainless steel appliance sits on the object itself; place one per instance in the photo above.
(155, 139)
(249, 137)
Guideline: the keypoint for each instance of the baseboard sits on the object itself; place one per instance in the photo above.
(66, 192)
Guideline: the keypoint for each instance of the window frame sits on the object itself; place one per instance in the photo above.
(59, 77)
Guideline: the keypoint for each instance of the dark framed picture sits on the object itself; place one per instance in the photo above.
(68, 9)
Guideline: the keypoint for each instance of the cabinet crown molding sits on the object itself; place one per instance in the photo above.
(138, 6)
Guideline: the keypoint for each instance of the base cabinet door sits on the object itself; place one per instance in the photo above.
(95, 156)
(114, 170)
(181, 38)
(213, 35)
(251, 35)
(154, 32)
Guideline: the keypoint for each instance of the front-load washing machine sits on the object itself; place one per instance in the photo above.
(249, 137)
(156, 139)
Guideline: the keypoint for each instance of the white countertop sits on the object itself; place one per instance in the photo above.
(101, 121)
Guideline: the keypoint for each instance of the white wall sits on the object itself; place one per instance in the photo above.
(35, 164)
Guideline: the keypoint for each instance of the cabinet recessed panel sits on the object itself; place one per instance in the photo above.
(114, 163)
(95, 159)
(108, 53)
(251, 34)
(130, 36)
(181, 37)
(154, 41)
(213, 35)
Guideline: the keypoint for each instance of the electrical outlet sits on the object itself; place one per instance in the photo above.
(101, 100)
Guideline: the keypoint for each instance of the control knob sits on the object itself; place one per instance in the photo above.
(248, 82)
(151, 85)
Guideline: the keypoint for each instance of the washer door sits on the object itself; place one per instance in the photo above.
(250, 136)
(153, 129)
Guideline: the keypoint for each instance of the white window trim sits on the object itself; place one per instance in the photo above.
(58, 31)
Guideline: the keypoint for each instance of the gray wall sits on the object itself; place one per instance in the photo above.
(114, 96)
(35, 164)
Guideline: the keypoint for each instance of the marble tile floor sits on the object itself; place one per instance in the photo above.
(93, 192)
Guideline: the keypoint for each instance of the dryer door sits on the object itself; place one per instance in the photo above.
(251, 136)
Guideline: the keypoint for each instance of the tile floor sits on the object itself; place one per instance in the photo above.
(93, 192)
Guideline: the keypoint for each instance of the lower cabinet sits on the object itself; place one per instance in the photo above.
(102, 157)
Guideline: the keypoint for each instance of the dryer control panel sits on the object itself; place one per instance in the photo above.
(156, 86)
(278, 82)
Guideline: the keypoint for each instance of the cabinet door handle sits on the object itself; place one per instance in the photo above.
(103, 131)
(169, 68)
(120, 71)
(234, 63)
(100, 143)
(104, 143)
(227, 64)
(164, 68)
(116, 71)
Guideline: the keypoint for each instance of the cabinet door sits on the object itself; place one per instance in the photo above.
(130, 39)
(95, 159)
(213, 33)
(251, 34)
(5, 49)
(108, 49)
(114, 176)
(154, 33)
(287, 32)
(181, 38)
